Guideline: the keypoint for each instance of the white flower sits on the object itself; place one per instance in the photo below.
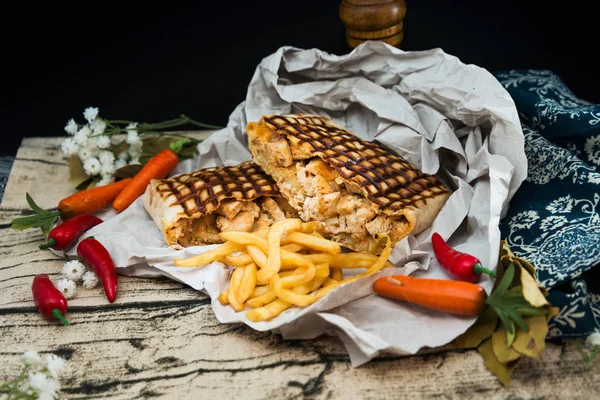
(106, 179)
(86, 153)
(135, 160)
(133, 138)
(123, 155)
(101, 142)
(120, 164)
(592, 149)
(106, 157)
(81, 137)
(107, 170)
(39, 382)
(73, 270)
(31, 358)
(98, 126)
(90, 280)
(69, 147)
(594, 177)
(55, 364)
(67, 287)
(135, 150)
(553, 222)
(90, 113)
(131, 127)
(561, 205)
(92, 166)
(71, 127)
(593, 339)
(524, 219)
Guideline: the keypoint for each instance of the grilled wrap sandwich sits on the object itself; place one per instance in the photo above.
(359, 192)
(192, 209)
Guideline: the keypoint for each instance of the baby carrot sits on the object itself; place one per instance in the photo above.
(158, 167)
(90, 200)
(454, 297)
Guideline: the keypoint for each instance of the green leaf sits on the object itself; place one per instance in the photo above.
(40, 218)
(24, 222)
(77, 176)
(178, 145)
(34, 206)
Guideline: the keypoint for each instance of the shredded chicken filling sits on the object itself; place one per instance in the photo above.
(232, 215)
(318, 193)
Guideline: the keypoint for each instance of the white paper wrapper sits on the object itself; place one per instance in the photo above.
(446, 117)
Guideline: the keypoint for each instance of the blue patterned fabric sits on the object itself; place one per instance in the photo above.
(6, 163)
(554, 218)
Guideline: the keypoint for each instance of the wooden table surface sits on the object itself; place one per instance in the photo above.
(161, 338)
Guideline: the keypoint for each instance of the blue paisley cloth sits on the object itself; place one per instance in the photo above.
(554, 218)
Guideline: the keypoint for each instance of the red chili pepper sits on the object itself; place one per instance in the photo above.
(462, 266)
(50, 302)
(66, 233)
(92, 253)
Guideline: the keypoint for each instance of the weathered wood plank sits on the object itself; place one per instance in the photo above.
(180, 350)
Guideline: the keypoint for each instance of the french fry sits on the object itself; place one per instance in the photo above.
(247, 284)
(274, 245)
(259, 290)
(223, 298)
(244, 239)
(223, 250)
(237, 261)
(273, 309)
(267, 297)
(257, 256)
(288, 265)
(317, 234)
(268, 311)
(336, 274)
(233, 291)
(308, 227)
(283, 287)
(345, 260)
(310, 241)
(293, 247)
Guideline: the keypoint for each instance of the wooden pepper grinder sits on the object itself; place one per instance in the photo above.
(373, 20)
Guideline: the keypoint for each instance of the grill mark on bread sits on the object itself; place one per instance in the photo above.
(208, 187)
(388, 180)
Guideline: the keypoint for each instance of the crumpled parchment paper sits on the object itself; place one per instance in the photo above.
(447, 118)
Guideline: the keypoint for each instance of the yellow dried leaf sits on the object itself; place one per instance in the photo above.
(479, 331)
(531, 291)
(552, 311)
(502, 371)
(77, 175)
(531, 344)
(503, 353)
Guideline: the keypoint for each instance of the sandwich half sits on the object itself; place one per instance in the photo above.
(192, 209)
(359, 192)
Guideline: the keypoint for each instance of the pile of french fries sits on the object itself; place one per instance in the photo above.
(289, 264)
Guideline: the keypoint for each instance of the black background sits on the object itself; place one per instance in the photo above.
(153, 62)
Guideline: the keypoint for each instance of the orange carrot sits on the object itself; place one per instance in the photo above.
(158, 167)
(454, 297)
(91, 200)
